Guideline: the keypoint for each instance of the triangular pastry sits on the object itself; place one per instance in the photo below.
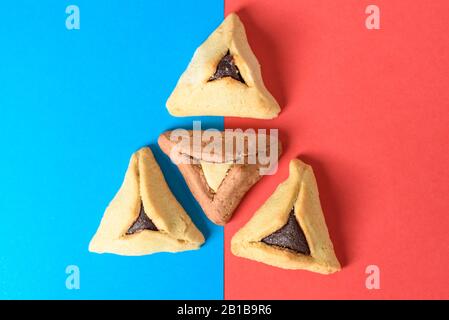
(289, 231)
(223, 79)
(144, 217)
(219, 181)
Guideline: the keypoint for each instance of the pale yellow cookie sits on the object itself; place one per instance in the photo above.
(223, 79)
(144, 217)
(289, 230)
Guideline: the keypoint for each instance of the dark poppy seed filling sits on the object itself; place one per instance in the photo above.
(142, 223)
(227, 68)
(290, 236)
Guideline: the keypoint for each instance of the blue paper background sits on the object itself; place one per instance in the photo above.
(74, 105)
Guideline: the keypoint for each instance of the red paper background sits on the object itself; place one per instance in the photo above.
(369, 110)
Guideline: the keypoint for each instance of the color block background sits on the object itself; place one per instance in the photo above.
(369, 110)
(74, 105)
